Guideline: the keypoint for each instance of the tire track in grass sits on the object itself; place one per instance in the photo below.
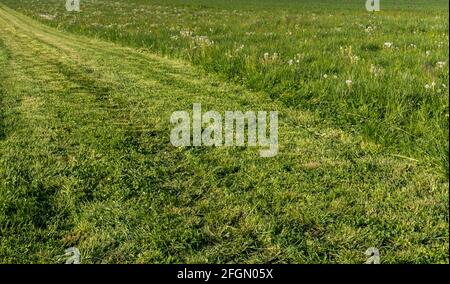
(4, 60)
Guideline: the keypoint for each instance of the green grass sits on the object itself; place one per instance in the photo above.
(85, 157)
(388, 102)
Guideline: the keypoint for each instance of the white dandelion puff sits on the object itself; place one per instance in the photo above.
(430, 86)
(186, 33)
(441, 64)
(388, 44)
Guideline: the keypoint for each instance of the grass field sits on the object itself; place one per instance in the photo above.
(86, 161)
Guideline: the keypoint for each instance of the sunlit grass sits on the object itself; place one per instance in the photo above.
(318, 47)
(85, 158)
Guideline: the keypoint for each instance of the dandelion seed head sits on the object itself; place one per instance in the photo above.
(441, 64)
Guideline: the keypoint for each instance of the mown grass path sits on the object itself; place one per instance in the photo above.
(85, 160)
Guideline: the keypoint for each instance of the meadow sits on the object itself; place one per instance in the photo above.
(86, 99)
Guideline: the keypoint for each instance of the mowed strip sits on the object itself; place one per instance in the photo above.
(86, 161)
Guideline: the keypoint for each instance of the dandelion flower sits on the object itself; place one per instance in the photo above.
(430, 86)
(369, 29)
(47, 17)
(388, 44)
(441, 64)
(186, 33)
